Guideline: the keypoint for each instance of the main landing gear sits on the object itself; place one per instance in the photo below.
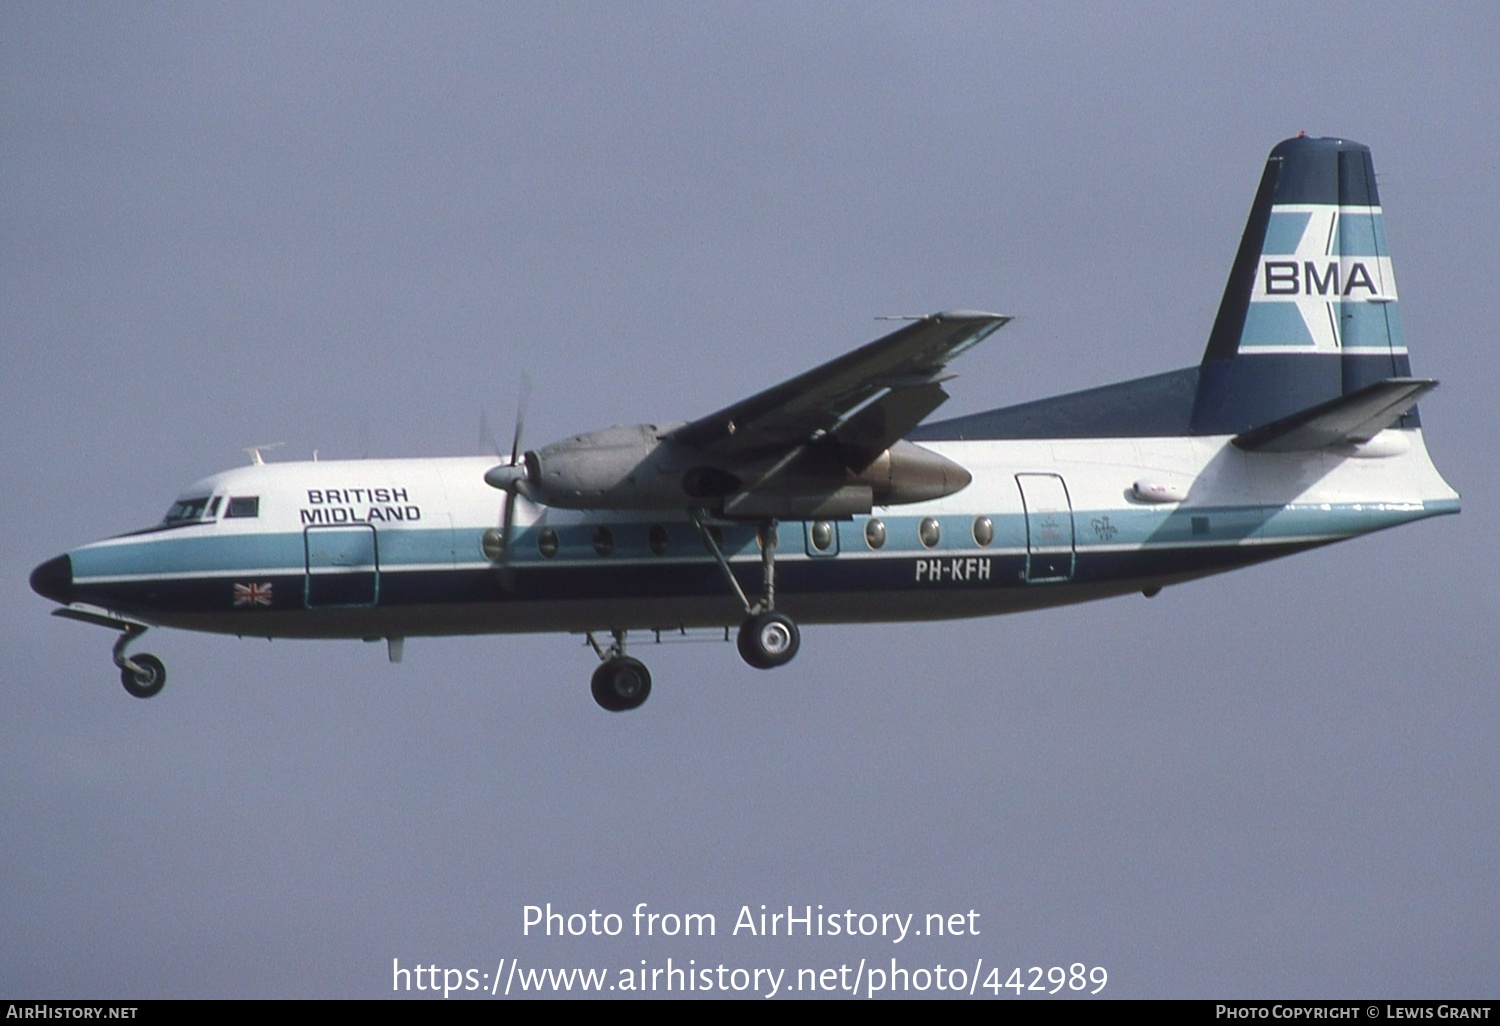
(767, 639)
(143, 675)
(620, 683)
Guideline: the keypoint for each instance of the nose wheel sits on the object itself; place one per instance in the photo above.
(143, 674)
(146, 677)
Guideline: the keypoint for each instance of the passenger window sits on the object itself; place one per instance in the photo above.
(604, 541)
(984, 530)
(242, 506)
(929, 532)
(546, 542)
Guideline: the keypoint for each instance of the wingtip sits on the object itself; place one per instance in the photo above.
(969, 315)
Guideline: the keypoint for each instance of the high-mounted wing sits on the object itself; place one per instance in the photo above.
(826, 443)
(865, 400)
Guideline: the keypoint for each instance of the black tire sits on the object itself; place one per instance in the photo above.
(621, 684)
(769, 640)
(149, 680)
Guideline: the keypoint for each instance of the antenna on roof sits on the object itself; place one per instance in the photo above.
(256, 459)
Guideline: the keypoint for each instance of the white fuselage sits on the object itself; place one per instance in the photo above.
(393, 548)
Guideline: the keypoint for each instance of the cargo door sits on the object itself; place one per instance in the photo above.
(342, 566)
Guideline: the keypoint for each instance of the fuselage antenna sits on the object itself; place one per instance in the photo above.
(255, 451)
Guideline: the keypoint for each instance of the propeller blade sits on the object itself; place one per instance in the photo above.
(521, 402)
(509, 478)
(507, 575)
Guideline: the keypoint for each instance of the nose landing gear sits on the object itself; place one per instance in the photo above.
(143, 674)
(147, 678)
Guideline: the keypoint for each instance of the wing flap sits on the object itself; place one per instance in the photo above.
(1353, 418)
(866, 433)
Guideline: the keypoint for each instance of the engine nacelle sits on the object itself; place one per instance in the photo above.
(906, 472)
(634, 468)
(619, 467)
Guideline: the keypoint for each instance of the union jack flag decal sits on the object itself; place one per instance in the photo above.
(252, 594)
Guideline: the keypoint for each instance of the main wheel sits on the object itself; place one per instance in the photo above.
(621, 683)
(148, 680)
(768, 640)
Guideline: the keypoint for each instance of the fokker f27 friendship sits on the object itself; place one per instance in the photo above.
(827, 499)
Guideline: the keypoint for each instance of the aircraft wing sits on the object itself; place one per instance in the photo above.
(864, 400)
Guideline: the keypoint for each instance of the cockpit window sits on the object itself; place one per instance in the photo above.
(186, 511)
(243, 506)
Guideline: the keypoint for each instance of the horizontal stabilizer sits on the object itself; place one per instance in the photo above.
(1349, 419)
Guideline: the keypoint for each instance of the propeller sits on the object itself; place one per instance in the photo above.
(509, 478)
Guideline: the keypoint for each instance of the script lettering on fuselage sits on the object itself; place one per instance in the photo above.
(955, 568)
(358, 506)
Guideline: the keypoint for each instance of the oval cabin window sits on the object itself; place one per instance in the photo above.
(929, 532)
(546, 542)
(604, 541)
(984, 530)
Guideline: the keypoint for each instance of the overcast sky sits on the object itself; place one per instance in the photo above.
(350, 228)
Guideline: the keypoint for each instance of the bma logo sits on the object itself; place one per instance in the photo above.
(1288, 278)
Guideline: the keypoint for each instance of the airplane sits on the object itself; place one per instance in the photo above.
(829, 498)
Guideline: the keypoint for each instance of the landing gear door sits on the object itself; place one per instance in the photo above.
(1049, 528)
(342, 566)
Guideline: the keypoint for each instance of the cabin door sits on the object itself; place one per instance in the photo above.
(342, 568)
(1049, 527)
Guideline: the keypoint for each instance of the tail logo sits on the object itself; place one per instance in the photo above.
(1285, 278)
(1324, 283)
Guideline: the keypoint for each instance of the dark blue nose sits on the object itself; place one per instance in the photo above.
(54, 579)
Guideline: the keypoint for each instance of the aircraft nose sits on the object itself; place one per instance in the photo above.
(54, 579)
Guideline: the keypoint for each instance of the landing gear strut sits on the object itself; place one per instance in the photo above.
(767, 639)
(143, 675)
(620, 683)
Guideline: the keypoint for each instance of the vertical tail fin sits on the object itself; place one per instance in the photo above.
(1309, 312)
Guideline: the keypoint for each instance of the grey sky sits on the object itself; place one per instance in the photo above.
(350, 228)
